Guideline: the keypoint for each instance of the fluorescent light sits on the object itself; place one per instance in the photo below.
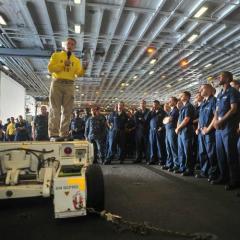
(77, 28)
(77, 1)
(169, 85)
(151, 72)
(208, 65)
(6, 67)
(2, 21)
(63, 44)
(180, 79)
(82, 94)
(192, 38)
(163, 76)
(127, 84)
(153, 61)
(135, 77)
(48, 76)
(201, 11)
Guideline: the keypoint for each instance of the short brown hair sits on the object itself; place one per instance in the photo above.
(227, 74)
(236, 82)
(72, 39)
(187, 94)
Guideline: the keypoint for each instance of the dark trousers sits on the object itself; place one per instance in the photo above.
(207, 155)
(141, 144)
(42, 138)
(172, 148)
(227, 155)
(185, 152)
(116, 144)
(99, 147)
(11, 138)
(238, 146)
(157, 146)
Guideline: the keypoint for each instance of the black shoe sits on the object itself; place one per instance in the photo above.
(106, 163)
(230, 187)
(171, 169)
(60, 139)
(199, 175)
(165, 167)
(175, 168)
(197, 166)
(69, 138)
(150, 163)
(217, 181)
(210, 178)
(187, 173)
(161, 163)
(178, 171)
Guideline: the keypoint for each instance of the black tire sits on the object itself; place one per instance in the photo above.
(95, 187)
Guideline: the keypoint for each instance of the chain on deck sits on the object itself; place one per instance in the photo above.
(145, 228)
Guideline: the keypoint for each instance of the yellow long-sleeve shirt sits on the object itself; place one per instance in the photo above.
(60, 71)
(11, 130)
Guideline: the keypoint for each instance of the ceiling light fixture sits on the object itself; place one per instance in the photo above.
(82, 94)
(151, 72)
(77, 1)
(6, 67)
(2, 21)
(192, 38)
(169, 85)
(153, 61)
(201, 11)
(184, 63)
(63, 44)
(151, 50)
(77, 28)
(208, 65)
(135, 77)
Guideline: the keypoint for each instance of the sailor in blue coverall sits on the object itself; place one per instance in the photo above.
(117, 134)
(206, 135)
(226, 122)
(157, 135)
(185, 136)
(141, 132)
(171, 137)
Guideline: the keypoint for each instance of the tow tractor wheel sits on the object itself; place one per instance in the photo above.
(95, 187)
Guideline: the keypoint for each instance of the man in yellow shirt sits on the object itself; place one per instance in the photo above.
(11, 130)
(64, 67)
